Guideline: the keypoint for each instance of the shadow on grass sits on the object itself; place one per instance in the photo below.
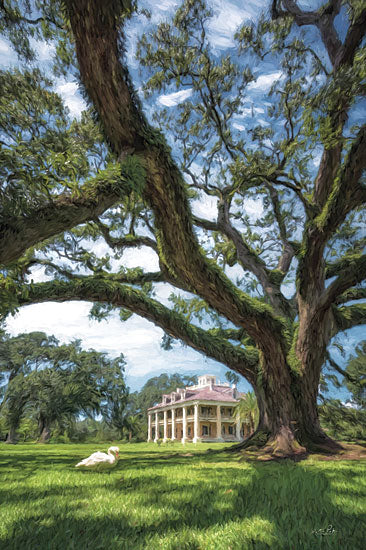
(298, 502)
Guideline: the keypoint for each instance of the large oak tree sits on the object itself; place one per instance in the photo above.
(312, 228)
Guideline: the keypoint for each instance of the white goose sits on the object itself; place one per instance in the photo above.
(100, 461)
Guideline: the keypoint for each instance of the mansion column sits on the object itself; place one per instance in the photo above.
(149, 430)
(218, 423)
(173, 424)
(184, 424)
(196, 434)
(238, 423)
(156, 427)
(165, 426)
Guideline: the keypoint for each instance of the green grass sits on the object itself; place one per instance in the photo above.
(157, 499)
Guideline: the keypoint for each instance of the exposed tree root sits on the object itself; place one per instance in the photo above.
(322, 444)
(283, 444)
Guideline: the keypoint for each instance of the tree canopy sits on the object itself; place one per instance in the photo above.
(264, 295)
(349, 419)
(54, 383)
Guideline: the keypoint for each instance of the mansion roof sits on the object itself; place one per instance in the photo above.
(202, 392)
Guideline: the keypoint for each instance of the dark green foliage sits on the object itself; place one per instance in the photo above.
(348, 422)
(343, 422)
(55, 383)
(355, 379)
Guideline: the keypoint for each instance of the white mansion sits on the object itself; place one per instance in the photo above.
(205, 412)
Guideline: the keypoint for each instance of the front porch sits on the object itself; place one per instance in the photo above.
(203, 425)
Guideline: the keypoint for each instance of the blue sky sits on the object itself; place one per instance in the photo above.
(138, 339)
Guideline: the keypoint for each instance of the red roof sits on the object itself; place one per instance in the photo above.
(217, 393)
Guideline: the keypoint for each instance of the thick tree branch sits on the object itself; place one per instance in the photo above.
(17, 233)
(347, 191)
(339, 369)
(351, 263)
(351, 294)
(355, 34)
(351, 270)
(250, 261)
(349, 316)
(322, 18)
(205, 224)
(228, 333)
(96, 31)
(96, 289)
(133, 276)
(344, 192)
(287, 250)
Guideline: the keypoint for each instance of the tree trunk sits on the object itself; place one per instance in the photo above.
(313, 337)
(44, 431)
(11, 437)
(288, 414)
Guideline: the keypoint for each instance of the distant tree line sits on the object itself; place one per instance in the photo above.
(47, 388)
(61, 392)
(347, 420)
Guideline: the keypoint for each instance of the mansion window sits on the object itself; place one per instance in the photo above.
(206, 430)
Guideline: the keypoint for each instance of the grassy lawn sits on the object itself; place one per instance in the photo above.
(155, 498)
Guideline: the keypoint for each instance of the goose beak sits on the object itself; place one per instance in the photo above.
(117, 455)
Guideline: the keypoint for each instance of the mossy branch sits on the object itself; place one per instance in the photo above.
(351, 270)
(97, 34)
(96, 289)
(349, 316)
(65, 211)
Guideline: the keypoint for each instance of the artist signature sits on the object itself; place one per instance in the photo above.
(324, 532)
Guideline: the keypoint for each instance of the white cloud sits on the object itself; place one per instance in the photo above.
(170, 100)
(165, 5)
(144, 257)
(239, 127)
(253, 207)
(138, 339)
(222, 27)
(4, 47)
(349, 405)
(264, 82)
(45, 50)
(7, 55)
(205, 207)
(38, 275)
(69, 93)
(162, 293)
(249, 112)
(316, 159)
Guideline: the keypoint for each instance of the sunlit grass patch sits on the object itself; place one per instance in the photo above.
(156, 497)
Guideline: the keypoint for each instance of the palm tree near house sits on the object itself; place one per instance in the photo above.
(248, 410)
(133, 422)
